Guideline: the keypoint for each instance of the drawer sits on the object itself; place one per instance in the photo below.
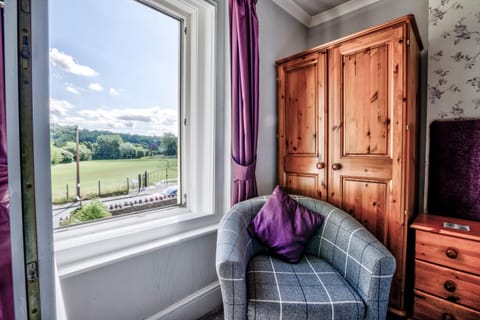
(431, 307)
(456, 286)
(460, 254)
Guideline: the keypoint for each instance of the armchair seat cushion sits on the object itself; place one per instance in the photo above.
(310, 289)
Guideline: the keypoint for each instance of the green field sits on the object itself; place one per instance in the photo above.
(112, 175)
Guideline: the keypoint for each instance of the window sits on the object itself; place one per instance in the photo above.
(131, 95)
(203, 149)
(115, 106)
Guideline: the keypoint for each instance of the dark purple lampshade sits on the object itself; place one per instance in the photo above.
(454, 169)
(284, 226)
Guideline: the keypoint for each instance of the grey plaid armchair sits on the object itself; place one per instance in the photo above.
(345, 273)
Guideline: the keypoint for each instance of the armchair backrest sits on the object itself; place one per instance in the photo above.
(360, 257)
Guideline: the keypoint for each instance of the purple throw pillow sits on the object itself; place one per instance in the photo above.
(284, 226)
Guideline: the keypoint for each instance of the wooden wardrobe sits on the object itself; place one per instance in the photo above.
(347, 127)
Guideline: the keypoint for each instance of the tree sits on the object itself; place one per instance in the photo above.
(108, 147)
(60, 135)
(141, 151)
(169, 144)
(67, 156)
(127, 151)
(56, 156)
(84, 152)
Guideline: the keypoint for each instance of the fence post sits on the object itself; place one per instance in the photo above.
(139, 182)
(128, 186)
(67, 191)
(99, 191)
(145, 182)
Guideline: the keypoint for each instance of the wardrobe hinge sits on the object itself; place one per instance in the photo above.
(408, 42)
(405, 212)
(407, 127)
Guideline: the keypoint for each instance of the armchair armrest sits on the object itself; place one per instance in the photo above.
(235, 247)
(361, 258)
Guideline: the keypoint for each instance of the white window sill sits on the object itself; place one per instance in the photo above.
(82, 248)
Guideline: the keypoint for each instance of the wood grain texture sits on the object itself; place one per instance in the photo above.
(365, 201)
(434, 223)
(449, 284)
(430, 307)
(365, 88)
(301, 125)
(367, 128)
(447, 274)
(432, 247)
(366, 132)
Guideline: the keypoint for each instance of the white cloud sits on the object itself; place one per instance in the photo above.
(59, 108)
(72, 90)
(95, 86)
(114, 92)
(68, 64)
(146, 121)
(134, 117)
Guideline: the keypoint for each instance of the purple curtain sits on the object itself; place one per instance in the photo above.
(6, 290)
(245, 62)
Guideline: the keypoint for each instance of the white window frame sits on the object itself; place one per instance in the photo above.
(205, 149)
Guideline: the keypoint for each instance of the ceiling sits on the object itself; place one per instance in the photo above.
(314, 7)
(315, 12)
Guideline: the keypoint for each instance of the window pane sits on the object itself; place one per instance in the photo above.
(114, 80)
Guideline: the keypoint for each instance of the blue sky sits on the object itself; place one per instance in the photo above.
(113, 66)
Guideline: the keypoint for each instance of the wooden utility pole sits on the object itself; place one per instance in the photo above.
(78, 161)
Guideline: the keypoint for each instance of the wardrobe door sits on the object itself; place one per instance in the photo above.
(365, 145)
(302, 125)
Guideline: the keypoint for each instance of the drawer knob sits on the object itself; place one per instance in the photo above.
(451, 253)
(449, 285)
(447, 316)
(454, 299)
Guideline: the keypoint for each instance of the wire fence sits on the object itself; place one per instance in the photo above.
(116, 185)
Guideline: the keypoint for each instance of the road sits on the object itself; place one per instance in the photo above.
(63, 211)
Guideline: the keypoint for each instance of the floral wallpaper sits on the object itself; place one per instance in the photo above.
(454, 59)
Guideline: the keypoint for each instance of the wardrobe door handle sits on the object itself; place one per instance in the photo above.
(320, 165)
(336, 166)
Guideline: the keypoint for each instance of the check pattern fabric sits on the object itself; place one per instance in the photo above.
(311, 289)
(341, 243)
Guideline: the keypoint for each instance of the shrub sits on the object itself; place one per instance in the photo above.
(92, 211)
(67, 156)
(56, 156)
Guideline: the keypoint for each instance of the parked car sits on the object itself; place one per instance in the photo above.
(169, 192)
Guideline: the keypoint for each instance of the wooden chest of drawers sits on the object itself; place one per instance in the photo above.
(447, 269)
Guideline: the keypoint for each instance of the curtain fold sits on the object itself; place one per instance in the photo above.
(245, 91)
(6, 285)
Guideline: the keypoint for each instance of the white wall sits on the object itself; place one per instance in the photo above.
(280, 36)
(144, 285)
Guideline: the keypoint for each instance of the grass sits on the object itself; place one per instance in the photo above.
(112, 175)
